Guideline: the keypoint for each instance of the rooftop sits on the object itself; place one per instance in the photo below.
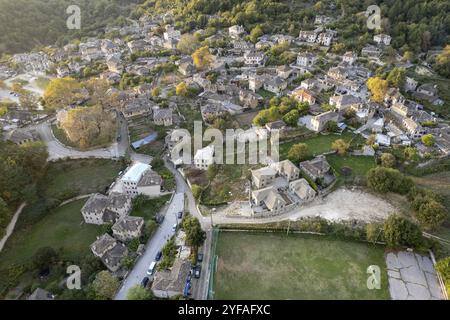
(135, 172)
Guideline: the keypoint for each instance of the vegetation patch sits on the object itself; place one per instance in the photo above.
(276, 266)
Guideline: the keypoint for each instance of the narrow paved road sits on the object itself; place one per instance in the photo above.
(156, 243)
(10, 228)
(57, 150)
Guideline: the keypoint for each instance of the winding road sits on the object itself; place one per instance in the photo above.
(57, 150)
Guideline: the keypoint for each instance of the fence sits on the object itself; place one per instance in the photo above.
(212, 263)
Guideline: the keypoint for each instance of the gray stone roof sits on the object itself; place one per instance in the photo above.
(18, 136)
(128, 224)
(161, 114)
(113, 257)
(96, 203)
(174, 279)
(150, 178)
(118, 201)
(102, 245)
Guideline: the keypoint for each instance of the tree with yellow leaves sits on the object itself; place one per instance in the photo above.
(181, 89)
(378, 87)
(202, 58)
(62, 92)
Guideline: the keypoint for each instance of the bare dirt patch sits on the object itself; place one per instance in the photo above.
(346, 204)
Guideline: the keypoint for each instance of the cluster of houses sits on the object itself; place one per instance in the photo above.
(279, 187)
(114, 209)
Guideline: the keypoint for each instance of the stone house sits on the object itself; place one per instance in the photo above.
(275, 85)
(263, 177)
(128, 228)
(319, 122)
(316, 168)
(302, 189)
(110, 251)
(163, 117)
(204, 157)
(304, 95)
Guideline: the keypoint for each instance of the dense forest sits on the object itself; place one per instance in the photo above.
(24, 165)
(415, 25)
(26, 24)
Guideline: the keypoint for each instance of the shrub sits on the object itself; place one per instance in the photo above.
(399, 231)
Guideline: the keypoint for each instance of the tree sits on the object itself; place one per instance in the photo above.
(340, 146)
(331, 126)
(399, 231)
(127, 263)
(181, 89)
(397, 77)
(408, 56)
(428, 140)
(105, 285)
(443, 268)
(44, 258)
(371, 140)
(195, 236)
(387, 160)
(378, 87)
(442, 65)
(5, 216)
(202, 58)
(385, 180)
(156, 92)
(291, 118)
(61, 93)
(429, 211)
(157, 162)
(298, 152)
(138, 292)
(188, 43)
(373, 231)
(212, 171)
(256, 32)
(196, 191)
(88, 126)
(410, 153)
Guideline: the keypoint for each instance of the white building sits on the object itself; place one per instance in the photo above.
(204, 157)
(141, 179)
(236, 31)
(306, 59)
(254, 58)
(382, 39)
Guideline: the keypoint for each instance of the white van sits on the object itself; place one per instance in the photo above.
(151, 268)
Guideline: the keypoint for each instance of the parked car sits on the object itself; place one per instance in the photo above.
(145, 282)
(174, 227)
(200, 257)
(180, 215)
(197, 271)
(151, 268)
(158, 256)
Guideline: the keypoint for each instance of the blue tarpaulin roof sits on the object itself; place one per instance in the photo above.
(148, 139)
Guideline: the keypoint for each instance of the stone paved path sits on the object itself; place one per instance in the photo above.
(412, 277)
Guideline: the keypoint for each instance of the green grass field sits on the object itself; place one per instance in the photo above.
(80, 176)
(150, 207)
(359, 165)
(316, 145)
(276, 266)
(60, 229)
